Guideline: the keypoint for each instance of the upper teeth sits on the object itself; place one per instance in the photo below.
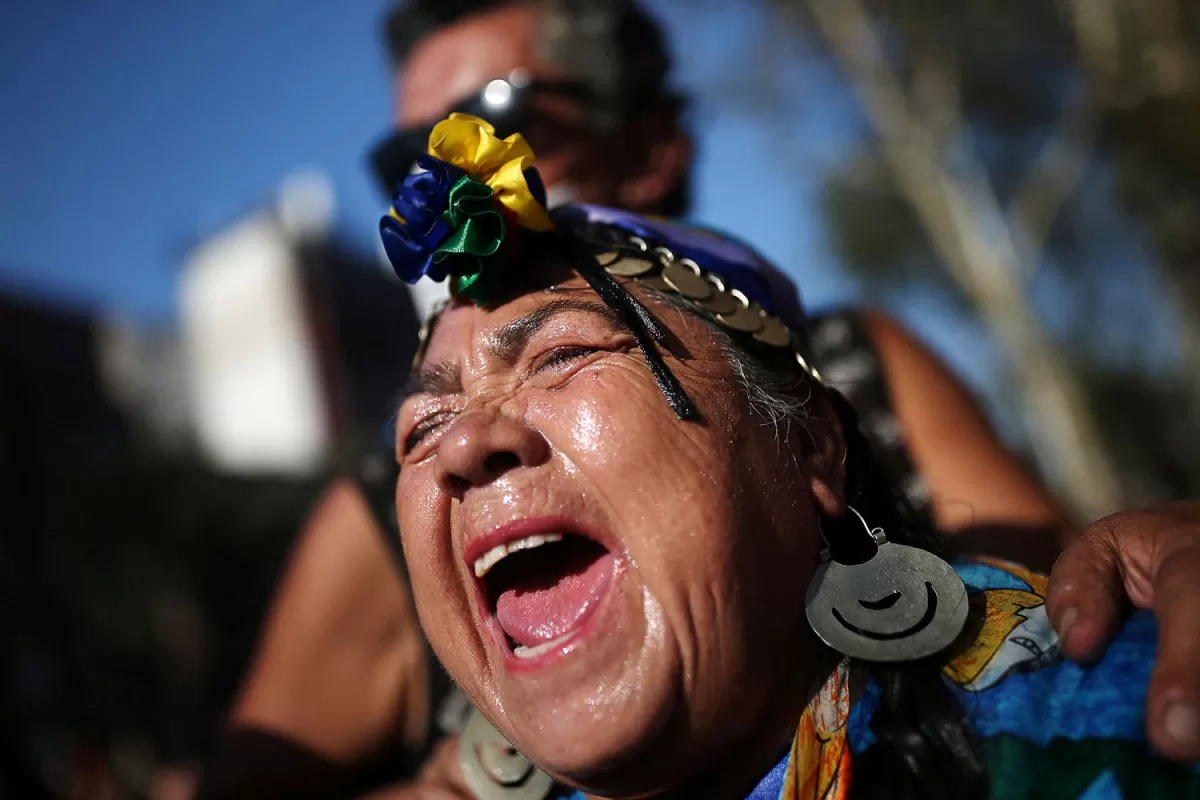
(492, 557)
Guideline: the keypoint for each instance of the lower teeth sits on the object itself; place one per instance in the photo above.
(521, 651)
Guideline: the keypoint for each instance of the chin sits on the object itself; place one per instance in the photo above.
(590, 709)
(606, 748)
(587, 708)
(582, 675)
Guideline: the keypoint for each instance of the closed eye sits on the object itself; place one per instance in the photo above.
(564, 354)
(422, 429)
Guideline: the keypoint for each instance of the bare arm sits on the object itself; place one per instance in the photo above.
(340, 667)
(1150, 558)
(977, 484)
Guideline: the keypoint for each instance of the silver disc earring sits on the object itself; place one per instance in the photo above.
(901, 604)
(493, 769)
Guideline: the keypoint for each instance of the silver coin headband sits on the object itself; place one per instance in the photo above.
(658, 268)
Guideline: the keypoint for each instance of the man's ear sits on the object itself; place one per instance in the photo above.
(646, 182)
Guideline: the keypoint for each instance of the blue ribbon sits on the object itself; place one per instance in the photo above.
(420, 200)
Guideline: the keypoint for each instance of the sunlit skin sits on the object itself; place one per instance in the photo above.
(974, 480)
(460, 59)
(633, 167)
(566, 422)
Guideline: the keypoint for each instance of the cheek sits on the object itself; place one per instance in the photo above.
(662, 482)
(594, 419)
(417, 513)
(443, 600)
(613, 428)
(428, 553)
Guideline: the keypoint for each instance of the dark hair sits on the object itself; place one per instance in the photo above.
(925, 747)
(642, 57)
(637, 36)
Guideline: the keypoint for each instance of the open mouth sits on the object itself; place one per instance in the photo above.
(542, 588)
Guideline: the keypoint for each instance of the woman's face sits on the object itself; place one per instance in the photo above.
(616, 589)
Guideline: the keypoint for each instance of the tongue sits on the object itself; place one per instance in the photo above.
(552, 601)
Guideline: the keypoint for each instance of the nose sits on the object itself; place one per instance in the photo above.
(481, 446)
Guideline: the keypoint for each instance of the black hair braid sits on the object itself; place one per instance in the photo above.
(926, 748)
(872, 490)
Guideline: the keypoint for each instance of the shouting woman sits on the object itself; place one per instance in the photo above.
(657, 553)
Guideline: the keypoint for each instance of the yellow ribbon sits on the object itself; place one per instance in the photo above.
(471, 144)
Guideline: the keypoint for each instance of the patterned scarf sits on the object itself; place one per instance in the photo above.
(1049, 728)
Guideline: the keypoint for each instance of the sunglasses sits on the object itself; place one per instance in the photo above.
(505, 102)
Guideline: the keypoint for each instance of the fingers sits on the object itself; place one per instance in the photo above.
(1085, 594)
(1174, 701)
(1153, 556)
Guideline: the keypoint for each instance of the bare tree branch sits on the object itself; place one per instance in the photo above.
(1167, 65)
(1171, 62)
(1097, 35)
(936, 89)
(959, 210)
(1054, 176)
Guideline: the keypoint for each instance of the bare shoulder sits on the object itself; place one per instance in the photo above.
(340, 662)
(974, 478)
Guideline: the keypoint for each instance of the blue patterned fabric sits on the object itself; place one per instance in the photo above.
(1105, 701)
(1049, 728)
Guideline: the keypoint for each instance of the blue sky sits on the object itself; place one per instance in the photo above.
(133, 128)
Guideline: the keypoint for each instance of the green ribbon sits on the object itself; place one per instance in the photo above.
(477, 231)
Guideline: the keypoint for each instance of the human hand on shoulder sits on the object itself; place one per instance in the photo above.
(1153, 557)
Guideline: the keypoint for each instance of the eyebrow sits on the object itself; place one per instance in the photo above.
(511, 340)
(505, 345)
(433, 379)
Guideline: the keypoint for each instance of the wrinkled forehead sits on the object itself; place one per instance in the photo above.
(463, 326)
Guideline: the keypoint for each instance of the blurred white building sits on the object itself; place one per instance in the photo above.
(252, 366)
(289, 347)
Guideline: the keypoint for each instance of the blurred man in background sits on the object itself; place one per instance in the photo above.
(341, 680)
(586, 84)
(595, 107)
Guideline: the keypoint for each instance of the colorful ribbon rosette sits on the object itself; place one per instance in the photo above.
(460, 216)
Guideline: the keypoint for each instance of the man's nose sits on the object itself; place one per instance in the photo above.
(481, 446)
